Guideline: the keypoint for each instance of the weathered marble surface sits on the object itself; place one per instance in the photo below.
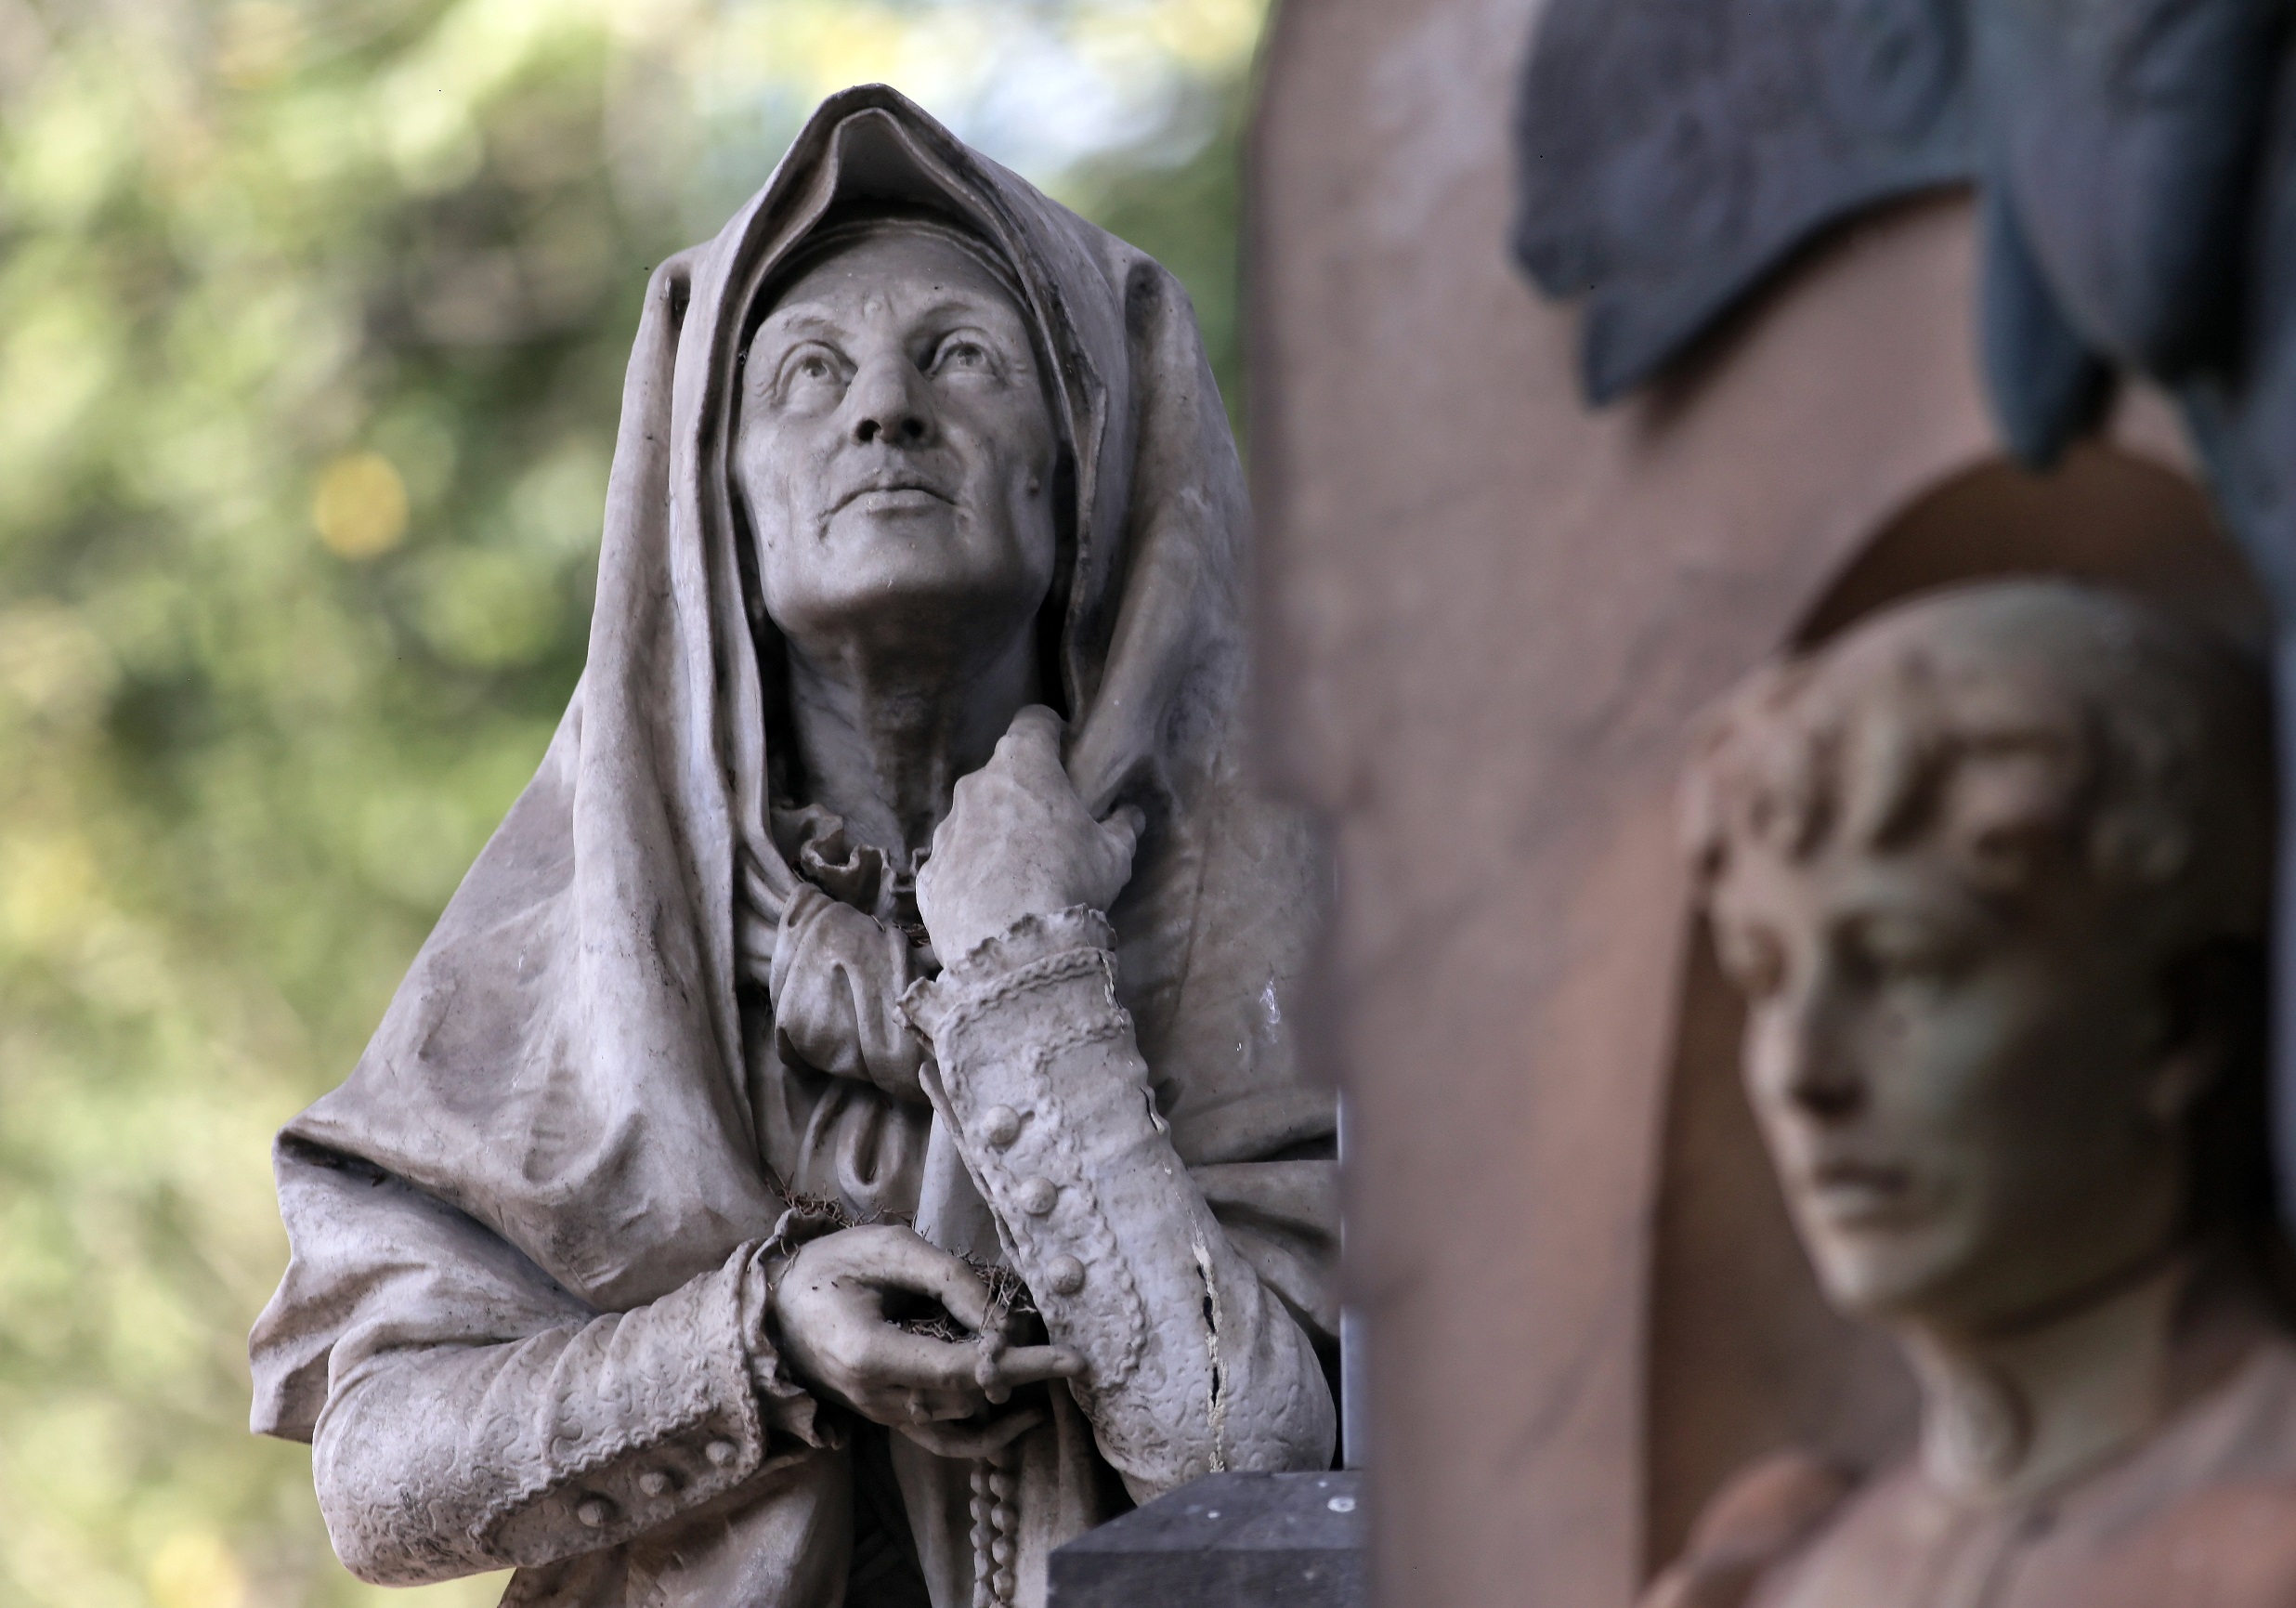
(844, 1137)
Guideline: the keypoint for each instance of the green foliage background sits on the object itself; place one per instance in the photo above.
(312, 320)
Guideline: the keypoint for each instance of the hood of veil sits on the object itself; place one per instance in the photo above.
(563, 1059)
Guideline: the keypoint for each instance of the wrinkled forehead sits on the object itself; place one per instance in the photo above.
(906, 265)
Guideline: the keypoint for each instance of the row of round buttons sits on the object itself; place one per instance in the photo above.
(597, 1512)
(1000, 1126)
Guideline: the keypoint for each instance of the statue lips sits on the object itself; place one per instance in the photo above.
(893, 492)
(1854, 1194)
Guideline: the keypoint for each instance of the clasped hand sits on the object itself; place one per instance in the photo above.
(1019, 841)
(833, 1311)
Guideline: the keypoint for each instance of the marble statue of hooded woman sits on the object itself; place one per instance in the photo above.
(843, 1139)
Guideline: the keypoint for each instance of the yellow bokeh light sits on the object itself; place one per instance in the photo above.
(259, 42)
(361, 507)
(195, 1569)
(50, 887)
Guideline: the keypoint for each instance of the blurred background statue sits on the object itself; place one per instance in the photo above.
(1991, 871)
(843, 1138)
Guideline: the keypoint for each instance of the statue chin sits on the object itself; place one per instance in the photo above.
(1876, 1276)
(905, 572)
(897, 521)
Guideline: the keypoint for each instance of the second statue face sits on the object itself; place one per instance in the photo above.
(1973, 868)
(895, 449)
(1961, 1093)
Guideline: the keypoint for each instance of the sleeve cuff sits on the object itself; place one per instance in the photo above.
(1035, 952)
(787, 1407)
(671, 1417)
(1034, 938)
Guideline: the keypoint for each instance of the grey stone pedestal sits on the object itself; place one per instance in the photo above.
(1226, 1541)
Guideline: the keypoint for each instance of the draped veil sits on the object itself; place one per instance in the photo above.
(577, 1066)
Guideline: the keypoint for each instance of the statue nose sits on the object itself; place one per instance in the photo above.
(888, 406)
(1820, 1088)
(1806, 1060)
(1821, 1080)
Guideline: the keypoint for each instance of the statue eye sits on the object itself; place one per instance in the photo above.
(1884, 952)
(811, 376)
(964, 353)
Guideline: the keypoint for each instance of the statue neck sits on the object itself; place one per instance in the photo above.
(2009, 1414)
(883, 738)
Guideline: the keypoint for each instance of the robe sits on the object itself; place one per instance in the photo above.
(2199, 1513)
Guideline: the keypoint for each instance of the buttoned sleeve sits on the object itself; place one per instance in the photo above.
(473, 1416)
(1193, 1364)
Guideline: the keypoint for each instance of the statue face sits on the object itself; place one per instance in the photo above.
(895, 451)
(1970, 1101)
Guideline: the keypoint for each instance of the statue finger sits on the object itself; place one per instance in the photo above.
(967, 1442)
(1026, 1365)
(894, 1359)
(938, 1407)
(897, 1405)
(1038, 726)
(987, 1372)
(1030, 748)
(906, 1260)
(1124, 828)
(951, 1281)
